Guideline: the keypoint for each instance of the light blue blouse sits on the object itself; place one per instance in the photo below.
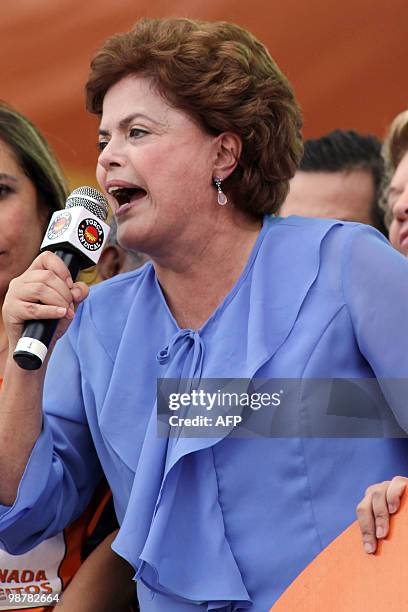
(221, 524)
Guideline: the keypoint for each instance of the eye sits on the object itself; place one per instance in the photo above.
(135, 132)
(392, 196)
(102, 144)
(5, 190)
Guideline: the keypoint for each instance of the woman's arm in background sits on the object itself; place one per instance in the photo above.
(103, 583)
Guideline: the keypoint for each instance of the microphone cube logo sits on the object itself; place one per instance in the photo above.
(59, 225)
(90, 234)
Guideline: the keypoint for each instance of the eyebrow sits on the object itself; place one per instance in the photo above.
(3, 176)
(123, 123)
(393, 190)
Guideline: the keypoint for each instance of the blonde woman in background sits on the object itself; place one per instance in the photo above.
(383, 499)
(395, 199)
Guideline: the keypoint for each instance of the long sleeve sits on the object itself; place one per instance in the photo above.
(375, 283)
(63, 468)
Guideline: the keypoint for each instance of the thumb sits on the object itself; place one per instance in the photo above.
(80, 292)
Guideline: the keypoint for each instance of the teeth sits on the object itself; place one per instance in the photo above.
(123, 195)
(113, 190)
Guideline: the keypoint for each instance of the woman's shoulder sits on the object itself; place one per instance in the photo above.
(299, 253)
(298, 234)
(316, 225)
(353, 259)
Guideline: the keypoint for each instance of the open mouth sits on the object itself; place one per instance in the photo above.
(124, 195)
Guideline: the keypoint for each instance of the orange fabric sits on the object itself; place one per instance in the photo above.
(101, 497)
(343, 578)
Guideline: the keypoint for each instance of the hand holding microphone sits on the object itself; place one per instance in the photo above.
(46, 293)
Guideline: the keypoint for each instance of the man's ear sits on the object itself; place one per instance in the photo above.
(229, 147)
(110, 262)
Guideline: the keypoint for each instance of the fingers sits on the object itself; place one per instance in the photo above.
(27, 311)
(395, 492)
(37, 294)
(42, 286)
(50, 261)
(366, 522)
(79, 292)
(45, 291)
(380, 512)
(374, 510)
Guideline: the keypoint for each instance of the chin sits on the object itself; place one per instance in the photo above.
(130, 239)
(403, 250)
(142, 235)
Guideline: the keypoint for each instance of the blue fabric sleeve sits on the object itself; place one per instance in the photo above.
(63, 468)
(375, 283)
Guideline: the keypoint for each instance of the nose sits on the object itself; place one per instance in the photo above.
(111, 155)
(400, 209)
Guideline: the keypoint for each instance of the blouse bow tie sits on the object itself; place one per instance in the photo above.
(182, 342)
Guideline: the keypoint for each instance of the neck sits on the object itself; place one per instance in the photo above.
(199, 273)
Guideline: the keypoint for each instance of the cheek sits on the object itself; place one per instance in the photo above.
(22, 245)
(28, 232)
(16, 229)
(100, 174)
(28, 246)
(23, 227)
(181, 164)
(393, 234)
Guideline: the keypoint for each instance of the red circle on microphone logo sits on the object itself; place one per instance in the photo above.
(90, 234)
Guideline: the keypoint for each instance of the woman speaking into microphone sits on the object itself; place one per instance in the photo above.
(199, 135)
(32, 188)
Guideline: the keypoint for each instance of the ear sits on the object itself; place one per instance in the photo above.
(229, 147)
(110, 262)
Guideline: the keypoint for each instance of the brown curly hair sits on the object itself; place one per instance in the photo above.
(395, 146)
(224, 78)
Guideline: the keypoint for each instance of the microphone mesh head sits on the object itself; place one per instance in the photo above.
(89, 198)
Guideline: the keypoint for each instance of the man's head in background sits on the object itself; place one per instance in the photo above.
(340, 177)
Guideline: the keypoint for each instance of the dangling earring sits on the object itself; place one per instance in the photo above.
(222, 198)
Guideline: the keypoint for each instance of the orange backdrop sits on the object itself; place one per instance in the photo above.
(347, 60)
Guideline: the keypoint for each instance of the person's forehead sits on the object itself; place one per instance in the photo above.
(7, 155)
(137, 97)
(133, 95)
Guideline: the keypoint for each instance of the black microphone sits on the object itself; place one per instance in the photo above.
(76, 235)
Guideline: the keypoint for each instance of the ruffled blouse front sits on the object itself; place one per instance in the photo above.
(220, 523)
